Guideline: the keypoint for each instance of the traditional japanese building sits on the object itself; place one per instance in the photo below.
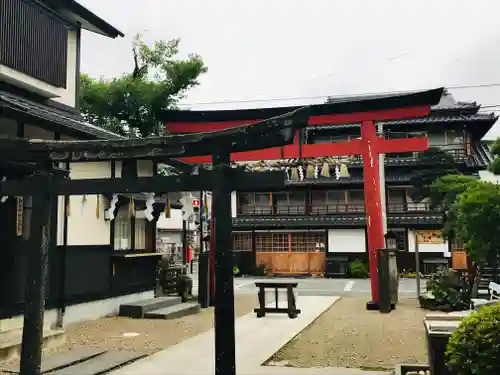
(317, 226)
(90, 273)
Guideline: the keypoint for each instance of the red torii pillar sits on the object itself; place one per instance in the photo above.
(369, 146)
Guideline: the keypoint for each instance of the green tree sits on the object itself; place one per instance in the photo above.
(494, 166)
(132, 103)
(444, 192)
(477, 223)
(435, 164)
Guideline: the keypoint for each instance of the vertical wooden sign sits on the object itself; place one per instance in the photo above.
(19, 215)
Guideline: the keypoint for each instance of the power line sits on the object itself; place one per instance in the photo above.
(457, 87)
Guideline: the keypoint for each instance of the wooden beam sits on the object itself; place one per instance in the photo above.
(273, 132)
(240, 181)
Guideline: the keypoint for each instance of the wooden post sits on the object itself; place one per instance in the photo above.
(184, 245)
(31, 347)
(417, 264)
(225, 361)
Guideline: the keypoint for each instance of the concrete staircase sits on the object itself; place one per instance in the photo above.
(159, 308)
(10, 341)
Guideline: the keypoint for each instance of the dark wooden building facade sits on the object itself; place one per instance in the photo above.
(92, 255)
(317, 226)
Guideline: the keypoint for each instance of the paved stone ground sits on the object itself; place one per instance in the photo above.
(347, 335)
(142, 335)
(257, 340)
(325, 287)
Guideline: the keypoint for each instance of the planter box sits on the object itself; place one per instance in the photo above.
(438, 335)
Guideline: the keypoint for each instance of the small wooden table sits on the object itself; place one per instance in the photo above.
(291, 309)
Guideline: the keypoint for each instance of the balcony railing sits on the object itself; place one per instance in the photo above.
(329, 209)
(33, 41)
(411, 207)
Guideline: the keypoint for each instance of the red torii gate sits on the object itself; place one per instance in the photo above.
(369, 146)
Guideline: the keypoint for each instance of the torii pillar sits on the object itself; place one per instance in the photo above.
(369, 146)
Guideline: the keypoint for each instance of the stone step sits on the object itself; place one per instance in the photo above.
(174, 312)
(10, 341)
(139, 308)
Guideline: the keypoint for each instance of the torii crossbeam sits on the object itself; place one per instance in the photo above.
(366, 112)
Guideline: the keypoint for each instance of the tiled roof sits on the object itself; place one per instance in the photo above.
(444, 119)
(432, 119)
(325, 221)
(55, 116)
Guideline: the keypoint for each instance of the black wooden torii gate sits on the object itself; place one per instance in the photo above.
(46, 184)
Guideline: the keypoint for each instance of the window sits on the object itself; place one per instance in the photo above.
(290, 203)
(454, 137)
(242, 242)
(271, 242)
(123, 235)
(355, 201)
(140, 234)
(308, 242)
(254, 204)
(336, 196)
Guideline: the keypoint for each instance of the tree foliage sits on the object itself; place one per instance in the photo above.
(132, 103)
(436, 163)
(494, 166)
(477, 219)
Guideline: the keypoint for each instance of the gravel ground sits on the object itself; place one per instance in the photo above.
(346, 335)
(154, 335)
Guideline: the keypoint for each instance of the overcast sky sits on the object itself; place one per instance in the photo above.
(268, 49)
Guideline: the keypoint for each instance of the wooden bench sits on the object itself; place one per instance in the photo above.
(291, 308)
(494, 291)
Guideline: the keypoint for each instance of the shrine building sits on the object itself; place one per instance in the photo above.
(317, 225)
(91, 235)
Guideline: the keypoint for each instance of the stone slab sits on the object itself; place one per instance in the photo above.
(174, 312)
(101, 364)
(139, 308)
(61, 360)
(256, 341)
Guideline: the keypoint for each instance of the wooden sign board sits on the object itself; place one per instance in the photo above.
(430, 237)
(19, 215)
(459, 260)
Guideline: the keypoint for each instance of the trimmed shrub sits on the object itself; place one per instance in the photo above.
(474, 347)
(358, 270)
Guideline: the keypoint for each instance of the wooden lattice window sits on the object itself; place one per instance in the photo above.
(271, 242)
(308, 242)
(242, 242)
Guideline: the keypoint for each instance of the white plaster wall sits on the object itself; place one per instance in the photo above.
(84, 227)
(173, 222)
(59, 94)
(427, 248)
(81, 312)
(233, 204)
(346, 241)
